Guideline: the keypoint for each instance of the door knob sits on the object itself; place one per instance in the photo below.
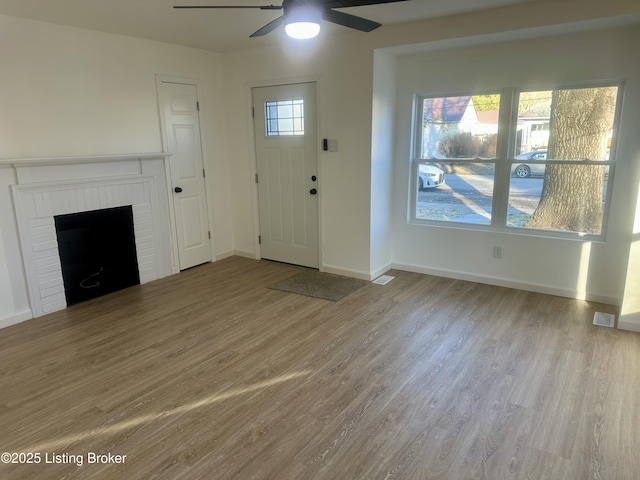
(177, 189)
(313, 191)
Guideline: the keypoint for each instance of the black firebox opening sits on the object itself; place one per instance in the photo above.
(97, 251)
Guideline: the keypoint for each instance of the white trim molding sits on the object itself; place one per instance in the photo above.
(504, 282)
(15, 318)
(26, 162)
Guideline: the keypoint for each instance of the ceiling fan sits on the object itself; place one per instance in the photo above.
(301, 18)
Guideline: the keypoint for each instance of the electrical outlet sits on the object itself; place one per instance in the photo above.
(497, 251)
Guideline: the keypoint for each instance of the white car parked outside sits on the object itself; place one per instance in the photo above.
(429, 177)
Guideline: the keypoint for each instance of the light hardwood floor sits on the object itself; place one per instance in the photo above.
(210, 375)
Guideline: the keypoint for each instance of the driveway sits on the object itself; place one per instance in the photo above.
(468, 198)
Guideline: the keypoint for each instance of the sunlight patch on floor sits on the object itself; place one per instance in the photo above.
(183, 409)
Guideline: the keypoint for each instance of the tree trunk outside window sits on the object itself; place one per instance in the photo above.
(572, 196)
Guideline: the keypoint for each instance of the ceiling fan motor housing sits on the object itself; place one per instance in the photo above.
(302, 11)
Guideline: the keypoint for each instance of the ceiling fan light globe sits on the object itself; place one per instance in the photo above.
(302, 20)
(302, 30)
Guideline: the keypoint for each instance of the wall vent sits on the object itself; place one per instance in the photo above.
(604, 319)
(383, 280)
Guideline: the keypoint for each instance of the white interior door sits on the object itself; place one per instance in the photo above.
(182, 128)
(285, 122)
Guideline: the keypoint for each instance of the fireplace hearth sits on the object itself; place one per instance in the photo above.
(97, 252)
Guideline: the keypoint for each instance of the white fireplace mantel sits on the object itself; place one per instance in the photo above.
(35, 170)
(26, 162)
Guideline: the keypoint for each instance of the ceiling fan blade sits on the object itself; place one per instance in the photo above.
(356, 3)
(269, 27)
(261, 7)
(328, 14)
(351, 21)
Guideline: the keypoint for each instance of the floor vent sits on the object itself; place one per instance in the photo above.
(383, 280)
(604, 319)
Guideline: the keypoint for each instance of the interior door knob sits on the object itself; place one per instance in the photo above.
(313, 191)
(177, 189)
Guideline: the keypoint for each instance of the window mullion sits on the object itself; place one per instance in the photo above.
(416, 145)
(505, 146)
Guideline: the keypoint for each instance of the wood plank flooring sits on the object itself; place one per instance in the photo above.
(210, 375)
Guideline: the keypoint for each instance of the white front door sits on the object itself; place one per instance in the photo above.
(285, 122)
(182, 130)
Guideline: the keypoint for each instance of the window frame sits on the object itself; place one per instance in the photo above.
(278, 103)
(504, 160)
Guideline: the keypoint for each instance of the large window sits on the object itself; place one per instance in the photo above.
(540, 161)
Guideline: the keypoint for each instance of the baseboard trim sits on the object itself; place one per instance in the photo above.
(504, 282)
(379, 272)
(16, 318)
(346, 272)
(224, 255)
(630, 322)
(246, 254)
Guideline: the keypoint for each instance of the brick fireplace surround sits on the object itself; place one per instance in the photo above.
(55, 186)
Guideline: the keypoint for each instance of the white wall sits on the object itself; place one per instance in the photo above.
(565, 267)
(343, 70)
(72, 92)
(382, 160)
(630, 312)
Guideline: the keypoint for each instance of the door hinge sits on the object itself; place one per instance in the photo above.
(253, 112)
(259, 239)
(256, 178)
(209, 232)
(198, 105)
(204, 174)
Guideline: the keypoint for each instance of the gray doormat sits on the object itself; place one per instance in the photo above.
(319, 285)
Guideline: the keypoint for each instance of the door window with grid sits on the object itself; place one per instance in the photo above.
(284, 117)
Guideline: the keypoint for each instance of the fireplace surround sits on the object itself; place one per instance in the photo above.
(51, 187)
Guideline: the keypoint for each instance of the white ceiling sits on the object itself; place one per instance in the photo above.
(215, 30)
